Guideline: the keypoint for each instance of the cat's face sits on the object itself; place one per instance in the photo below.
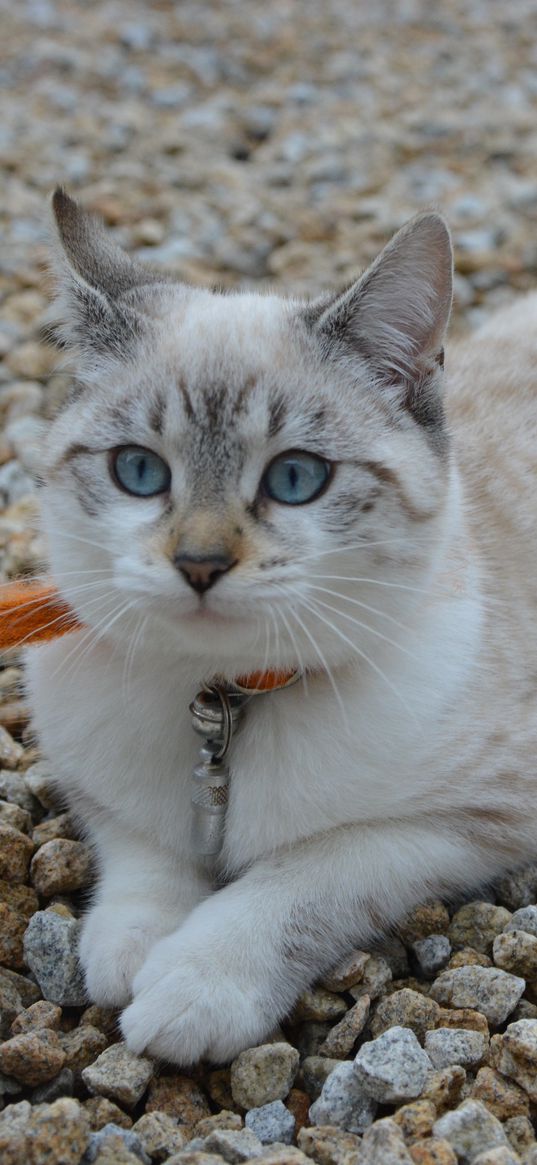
(246, 479)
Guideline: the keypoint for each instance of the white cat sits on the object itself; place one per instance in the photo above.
(244, 481)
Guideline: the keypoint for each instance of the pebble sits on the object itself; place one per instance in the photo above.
(343, 1101)
(11, 752)
(113, 1143)
(342, 1037)
(39, 781)
(520, 1133)
(445, 1087)
(431, 954)
(39, 1015)
(12, 930)
(416, 1119)
(179, 1097)
(51, 952)
(383, 1144)
(13, 1127)
(447, 1046)
(159, 1135)
(234, 1145)
(328, 1145)
(470, 1129)
(57, 1132)
(502, 1096)
(102, 1111)
(315, 1071)
(433, 1151)
(11, 814)
(32, 1057)
(518, 889)
(516, 951)
(524, 919)
(119, 1075)
(501, 1156)
(392, 1068)
(426, 919)
(219, 1120)
(82, 1046)
(464, 1017)
(15, 789)
(405, 1008)
(60, 867)
(376, 976)
(488, 989)
(347, 973)
(16, 851)
(515, 1054)
(262, 1074)
(271, 1122)
(318, 1005)
(53, 827)
(476, 925)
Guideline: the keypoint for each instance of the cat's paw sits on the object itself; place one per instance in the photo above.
(188, 1006)
(114, 944)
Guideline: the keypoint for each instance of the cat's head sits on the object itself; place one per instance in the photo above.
(245, 478)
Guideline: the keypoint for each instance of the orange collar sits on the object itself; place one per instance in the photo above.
(33, 612)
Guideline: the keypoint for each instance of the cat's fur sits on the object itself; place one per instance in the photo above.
(405, 763)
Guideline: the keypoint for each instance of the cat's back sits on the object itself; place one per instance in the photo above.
(491, 405)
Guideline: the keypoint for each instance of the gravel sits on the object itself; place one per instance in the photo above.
(393, 1068)
(271, 1122)
(257, 146)
(344, 1101)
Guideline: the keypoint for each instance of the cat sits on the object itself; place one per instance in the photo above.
(240, 482)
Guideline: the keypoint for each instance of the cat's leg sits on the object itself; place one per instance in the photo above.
(224, 979)
(143, 893)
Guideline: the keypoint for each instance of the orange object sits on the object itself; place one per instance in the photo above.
(33, 611)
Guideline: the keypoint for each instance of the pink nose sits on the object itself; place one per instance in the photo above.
(202, 573)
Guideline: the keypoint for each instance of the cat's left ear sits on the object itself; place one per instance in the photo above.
(396, 314)
(102, 295)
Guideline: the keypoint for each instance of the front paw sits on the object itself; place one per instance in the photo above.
(114, 944)
(189, 1005)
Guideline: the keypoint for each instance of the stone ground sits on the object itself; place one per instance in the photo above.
(258, 144)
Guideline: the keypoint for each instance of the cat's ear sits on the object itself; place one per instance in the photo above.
(100, 291)
(396, 314)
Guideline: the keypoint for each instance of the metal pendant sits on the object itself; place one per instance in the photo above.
(215, 713)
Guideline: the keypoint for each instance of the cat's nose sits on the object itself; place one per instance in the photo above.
(202, 573)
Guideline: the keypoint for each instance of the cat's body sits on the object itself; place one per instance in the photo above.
(404, 763)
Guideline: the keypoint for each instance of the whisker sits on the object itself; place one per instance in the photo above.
(358, 603)
(363, 655)
(366, 627)
(319, 653)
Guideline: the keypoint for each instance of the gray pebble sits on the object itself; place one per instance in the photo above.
(343, 1101)
(51, 952)
(470, 1129)
(447, 1046)
(432, 954)
(523, 919)
(271, 1122)
(487, 989)
(234, 1145)
(129, 1139)
(392, 1068)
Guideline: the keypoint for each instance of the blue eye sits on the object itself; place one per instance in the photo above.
(139, 471)
(296, 478)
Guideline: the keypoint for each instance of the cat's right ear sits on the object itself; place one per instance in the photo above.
(101, 292)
